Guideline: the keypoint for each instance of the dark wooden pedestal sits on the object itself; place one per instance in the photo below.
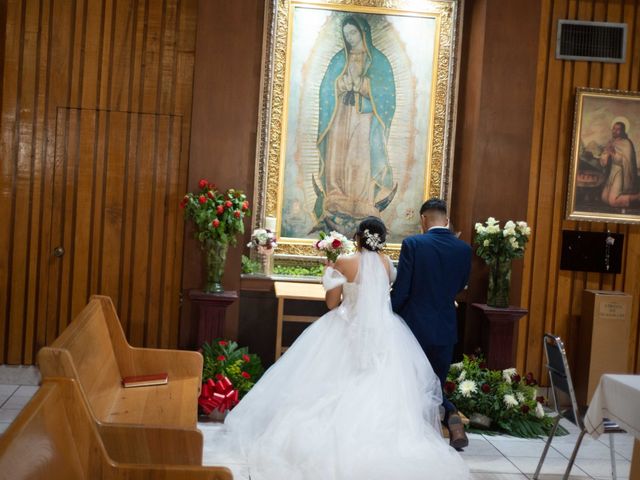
(500, 337)
(209, 311)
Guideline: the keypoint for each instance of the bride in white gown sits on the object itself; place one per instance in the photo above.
(354, 398)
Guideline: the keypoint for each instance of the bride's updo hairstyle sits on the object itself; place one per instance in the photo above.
(371, 234)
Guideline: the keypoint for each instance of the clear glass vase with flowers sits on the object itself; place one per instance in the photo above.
(263, 241)
(218, 219)
(498, 247)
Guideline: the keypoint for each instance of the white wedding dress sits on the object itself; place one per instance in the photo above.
(354, 398)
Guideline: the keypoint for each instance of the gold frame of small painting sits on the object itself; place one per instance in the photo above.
(357, 116)
(604, 185)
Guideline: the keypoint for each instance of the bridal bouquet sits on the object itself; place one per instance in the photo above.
(333, 245)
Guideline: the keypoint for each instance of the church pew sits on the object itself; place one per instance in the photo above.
(55, 437)
(93, 350)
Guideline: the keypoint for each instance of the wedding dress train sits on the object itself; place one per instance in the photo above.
(354, 398)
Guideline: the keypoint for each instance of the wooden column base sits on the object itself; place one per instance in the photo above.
(500, 338)
(209, 312)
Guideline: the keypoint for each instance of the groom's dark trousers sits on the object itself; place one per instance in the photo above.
(433, 268)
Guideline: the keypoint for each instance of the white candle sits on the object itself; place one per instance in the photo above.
(270, 223)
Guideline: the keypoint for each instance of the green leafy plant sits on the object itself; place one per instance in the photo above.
(299, 270)
(248, 265)
(225, 357)
(217, 216)
(508, 399)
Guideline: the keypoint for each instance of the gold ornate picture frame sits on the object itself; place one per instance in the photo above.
(604, 185)
(356, 116)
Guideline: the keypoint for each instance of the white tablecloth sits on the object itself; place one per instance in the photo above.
(618, 399)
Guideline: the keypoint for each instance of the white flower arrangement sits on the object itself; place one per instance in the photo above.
(263, 239)
(503, 244)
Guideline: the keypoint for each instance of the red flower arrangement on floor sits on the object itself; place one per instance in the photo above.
(228, 373)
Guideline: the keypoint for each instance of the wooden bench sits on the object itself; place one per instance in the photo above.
(94, 351)
(55, 437)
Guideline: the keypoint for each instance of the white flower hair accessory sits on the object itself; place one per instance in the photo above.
(373, 240)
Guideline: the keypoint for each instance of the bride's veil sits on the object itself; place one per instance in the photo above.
(371, 324)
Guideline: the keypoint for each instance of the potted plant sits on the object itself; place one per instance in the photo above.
(218, 220)
(228, 373)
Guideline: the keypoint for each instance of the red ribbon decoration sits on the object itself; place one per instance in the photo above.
(217, 395)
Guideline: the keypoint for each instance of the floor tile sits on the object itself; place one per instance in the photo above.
(523, 447)
(487, 464)
(555, 466)
(602, 468)
(498, 476)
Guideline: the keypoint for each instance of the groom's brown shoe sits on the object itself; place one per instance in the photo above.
(457, 438)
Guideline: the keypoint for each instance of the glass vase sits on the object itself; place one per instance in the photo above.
(499, 284)
(216, 256)
(265, 259)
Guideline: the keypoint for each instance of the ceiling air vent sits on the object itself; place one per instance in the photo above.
(591, 41)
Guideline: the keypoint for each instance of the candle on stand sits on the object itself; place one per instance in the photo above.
(270, 223)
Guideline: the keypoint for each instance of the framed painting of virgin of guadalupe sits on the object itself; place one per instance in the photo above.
(356, 116)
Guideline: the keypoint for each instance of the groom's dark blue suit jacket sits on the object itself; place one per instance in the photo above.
(432, 269)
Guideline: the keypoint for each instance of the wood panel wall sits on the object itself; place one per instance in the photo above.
(96, 115)
(554, 296)
(225, 121)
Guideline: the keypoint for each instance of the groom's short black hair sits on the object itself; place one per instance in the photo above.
(434, 204)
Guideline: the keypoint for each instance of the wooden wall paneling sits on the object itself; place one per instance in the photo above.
(555, 297)
(185, 60)
(74, 74)
(541, 226)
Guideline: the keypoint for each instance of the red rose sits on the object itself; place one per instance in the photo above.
(182, 204)
(222, 358)
(515, 378)
(524, 408)
(246, 358)
(219, 209)
(540, 399)
(219, 376)
(449, 387)
(222, 343)
(236, 214)
(245, 205)
(203, 183)
(228, 204)
(202, 199)
(215, 223)
(246, 375)
(485, 388)
(210, 194)
(336, 243)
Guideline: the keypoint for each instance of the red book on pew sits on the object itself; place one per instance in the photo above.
(145, 380)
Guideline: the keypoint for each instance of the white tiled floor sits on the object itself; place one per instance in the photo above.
(490, 457)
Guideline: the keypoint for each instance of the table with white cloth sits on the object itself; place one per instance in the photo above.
(617, 398)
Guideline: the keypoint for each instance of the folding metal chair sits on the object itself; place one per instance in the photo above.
(562, 389)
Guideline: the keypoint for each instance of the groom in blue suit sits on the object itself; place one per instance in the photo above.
(433, 267)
